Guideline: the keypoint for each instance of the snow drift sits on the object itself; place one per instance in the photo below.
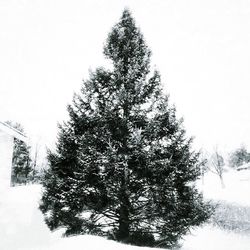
(22, 225)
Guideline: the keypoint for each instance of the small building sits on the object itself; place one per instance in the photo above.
(7, 135)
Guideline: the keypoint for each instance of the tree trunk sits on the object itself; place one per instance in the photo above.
(124, 223)
(123, 233)
(222, 181)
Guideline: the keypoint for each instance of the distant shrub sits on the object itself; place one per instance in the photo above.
(232, 217)
(239, 157)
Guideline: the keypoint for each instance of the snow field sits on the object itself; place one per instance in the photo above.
(237, 186)
(22, 224)
(212, 238)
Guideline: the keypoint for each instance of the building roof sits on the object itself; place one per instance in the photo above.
(6, 128)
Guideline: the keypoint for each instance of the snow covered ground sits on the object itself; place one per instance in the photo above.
(22, 226)
(237, 186)
(210, 238)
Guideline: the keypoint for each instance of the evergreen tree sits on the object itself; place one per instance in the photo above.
(239, 157)
(123, 167)
(21, 162)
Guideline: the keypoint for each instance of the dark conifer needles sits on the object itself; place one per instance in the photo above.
(123, 166)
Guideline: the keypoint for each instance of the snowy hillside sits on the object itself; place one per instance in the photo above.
(22, 226)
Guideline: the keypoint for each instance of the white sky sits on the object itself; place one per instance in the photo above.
(202, 49)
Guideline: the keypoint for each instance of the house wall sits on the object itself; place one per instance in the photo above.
(6, 153)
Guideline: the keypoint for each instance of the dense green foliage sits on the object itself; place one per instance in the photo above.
(123, 167)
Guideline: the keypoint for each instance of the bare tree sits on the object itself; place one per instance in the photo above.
(38, 161)
(216, 165)
(34, 162)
